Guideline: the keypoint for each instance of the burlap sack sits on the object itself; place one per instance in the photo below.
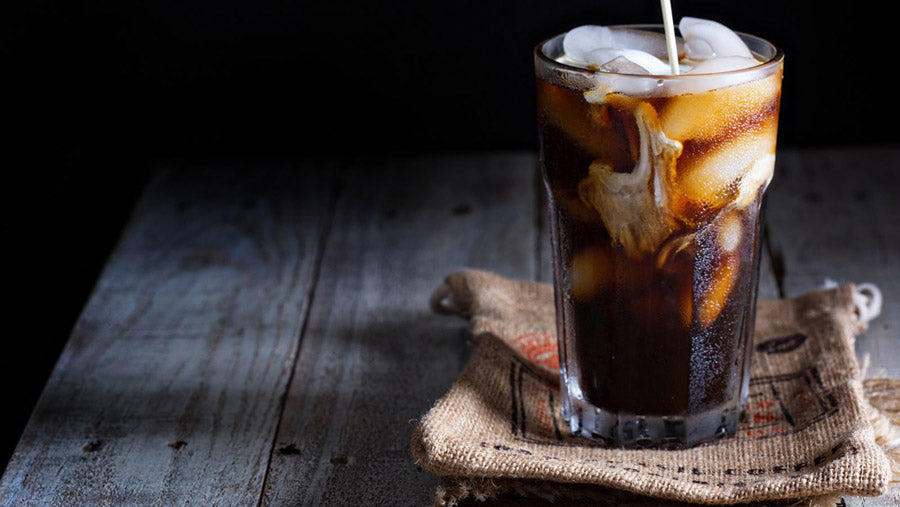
(807, 430)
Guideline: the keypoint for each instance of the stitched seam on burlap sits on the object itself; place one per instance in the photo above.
(835, 454)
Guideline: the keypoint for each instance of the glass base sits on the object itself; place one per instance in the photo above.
(648, 431)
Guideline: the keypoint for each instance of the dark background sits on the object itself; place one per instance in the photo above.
(100, 91)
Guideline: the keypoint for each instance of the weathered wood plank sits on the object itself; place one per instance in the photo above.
(374, 357)
(890, 499)
(834, 214)
(168, 391)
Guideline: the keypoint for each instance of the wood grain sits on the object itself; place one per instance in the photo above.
(168, 391)
(374, 358)
(834, 214)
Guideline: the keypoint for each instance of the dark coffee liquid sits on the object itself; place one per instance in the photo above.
(661, 333)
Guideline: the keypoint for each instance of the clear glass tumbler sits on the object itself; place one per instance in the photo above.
(655, 186)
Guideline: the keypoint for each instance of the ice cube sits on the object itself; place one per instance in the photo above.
(580, 41)
(699, 50)
(716, 290)
(622, 65)
(756, 179)
(631, 85)
(713, 179)
(729, 231)
(648, 62)
(714, 113)
(716, 75)
(643, 40)
(705, 39)
(723, 64)
(623, 74)
(590, 272)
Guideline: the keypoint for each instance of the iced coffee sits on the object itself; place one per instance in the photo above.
(656, 184)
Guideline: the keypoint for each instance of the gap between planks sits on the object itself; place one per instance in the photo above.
(373, 355)
(310, 301)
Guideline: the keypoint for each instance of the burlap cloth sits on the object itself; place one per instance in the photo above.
(809, 430)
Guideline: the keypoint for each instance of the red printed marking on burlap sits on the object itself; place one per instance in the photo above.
(781, 404)
(540, 349)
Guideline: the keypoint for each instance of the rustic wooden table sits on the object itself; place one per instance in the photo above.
(261, 333)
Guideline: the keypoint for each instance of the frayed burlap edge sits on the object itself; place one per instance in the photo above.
(883, 398)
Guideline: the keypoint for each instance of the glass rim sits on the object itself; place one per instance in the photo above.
(776, 59)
